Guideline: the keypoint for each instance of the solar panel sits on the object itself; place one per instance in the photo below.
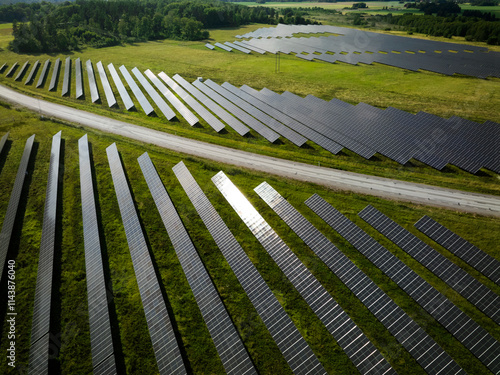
(21, 71)
(11, 70)
(100, 327)
(127, 101)
(137, 91)
(292, 345)
(78, 79)
(160, 103)
(94, 93)
(231, 350)
(237, 47)
(259, 127)
(3, 67)
(167, 353)
(15, 196)
(478, 294)
(55, 75)
(110, 97)
(45, 70)
(67, 74)
(420, 345)
(234, 123)
(209, 46)
(39, 356)
(3, 141)
(467, 331)
(32, 72)
(272, 123)
(349, 337)
(40, 325)
(222, 46)
(478, 259)
(178, 105)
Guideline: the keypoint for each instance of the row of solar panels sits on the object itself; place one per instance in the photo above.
(334, 125)
(365, 356)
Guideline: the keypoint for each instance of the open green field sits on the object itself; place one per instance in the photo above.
(378, 85)
(71, 344)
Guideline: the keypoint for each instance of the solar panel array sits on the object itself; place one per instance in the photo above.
(15, 196)
(55, 74)
(137, 91)
(94, 93)
(43, 74)
(12, 69)
(67, 76)
(209, 46)
(127, 101)
(103, 358)
(33, 70)
(178, 105)
(40, 325)
(160, 103)
(231, 350)
(256, 125)
(478, 294)
(110, 97)
(78, 79)
(234, 123)
(167, 353)
(292, 345)
(478, 259)
(420, 345)
(350, 338)
(237, 47)
(467, 331)
(222, 46)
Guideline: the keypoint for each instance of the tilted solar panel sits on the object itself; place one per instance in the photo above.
(209, 46)
(236, 47)
(467, 331)
(40, 325)
(78, 79)
(160, 103)
(3, 141)
(101, 340)
(94, 93)
(43, 74)
(167, 353)
(222, 46)
(11, 70)
(67, 76)
(127, 101)
(292, 345)
(32, 72)
(110, 97)
(55, 75)
(478, 294)
(15, 196)
(148, 109)
(21, 71)
(478, 259)
(421, 346)
(227, 341)
(350, 338)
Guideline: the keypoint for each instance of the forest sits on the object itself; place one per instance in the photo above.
(48, 27)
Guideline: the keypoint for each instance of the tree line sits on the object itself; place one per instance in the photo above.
(48, 27)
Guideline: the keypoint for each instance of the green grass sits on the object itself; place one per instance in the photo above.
(73, 355)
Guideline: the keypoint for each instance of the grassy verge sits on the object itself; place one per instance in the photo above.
(72, 340)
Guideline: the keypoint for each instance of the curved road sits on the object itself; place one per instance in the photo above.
(364, 184)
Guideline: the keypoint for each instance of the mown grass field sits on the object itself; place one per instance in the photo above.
(378, 85)
(71, 338)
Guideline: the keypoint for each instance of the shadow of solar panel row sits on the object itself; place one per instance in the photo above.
(467, 331)
(32, 72)
(40, 325)
(167, 353)
(254, 124)
(3, 67)
(272, 123)
(55, 74)
(21, 71)
(67, 76)
(78, 79)
(94, 93)
(234, 123)
(15, 196)
(228, 343)
(420, 345)
(100, 327)
(43, 74)
(205, 114)
(110, 97)
(237, 47)
(160, 103)
(292, 345)
(148, 109)
(10, 72)
(178, 105)
(478, 294)
(127, 101)
(306, 132)
(452, 242)
(3, 141)
(222, 46)
(350, 338)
